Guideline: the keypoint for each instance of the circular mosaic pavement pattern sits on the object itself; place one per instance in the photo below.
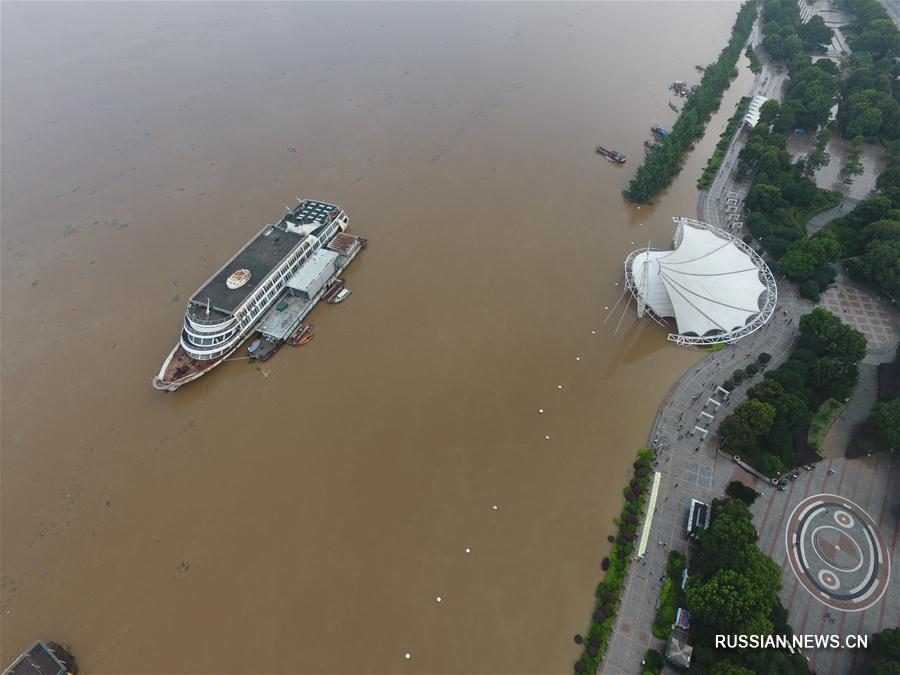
(837, 552)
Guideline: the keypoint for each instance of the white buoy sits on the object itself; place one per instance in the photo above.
(547, 437)
(407, 656)
(593, 332)
(559, 386)
(578, 358)
(494, 507)
(540, 411)
(632, 243)
(617, 283)
(439, 599)
(468, 551)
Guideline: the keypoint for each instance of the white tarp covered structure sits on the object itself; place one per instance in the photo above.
(751, 118)
(710, 284)
(315, 273)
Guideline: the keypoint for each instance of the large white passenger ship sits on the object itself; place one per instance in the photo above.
(301, 255)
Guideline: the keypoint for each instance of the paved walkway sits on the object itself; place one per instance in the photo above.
(712, 203)
(857, 411)
(893, 8)
(879, 322)
(820, 220)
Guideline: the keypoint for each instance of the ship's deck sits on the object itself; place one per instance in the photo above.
(260, 256)
(278, 325)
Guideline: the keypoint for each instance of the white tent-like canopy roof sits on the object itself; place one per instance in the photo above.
(710, 283)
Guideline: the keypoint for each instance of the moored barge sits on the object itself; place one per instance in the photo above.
(612, 155)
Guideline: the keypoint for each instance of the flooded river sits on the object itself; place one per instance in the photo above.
(303, 515)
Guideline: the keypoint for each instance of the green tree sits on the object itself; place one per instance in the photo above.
(765, 198)
(749, 420)
(727, 600)
(769, 110)
(868, 123)
(886, 645)
(724, 544)
(825, 334)
(853, 167)
(729, 668)
(835, 377)
(815, 33)
(885, 421)
(807, 256)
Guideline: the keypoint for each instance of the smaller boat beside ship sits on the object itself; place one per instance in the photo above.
(612, 155)
(341, 296)
(299, 334)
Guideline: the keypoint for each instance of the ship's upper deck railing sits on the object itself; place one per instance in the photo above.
(198, 315)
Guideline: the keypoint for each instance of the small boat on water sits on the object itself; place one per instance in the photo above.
(297, 335)
(612, 155)
(254, 346)
(306, 339)
(343, 295)
(333, 290)
(699, 68)
(652, 146)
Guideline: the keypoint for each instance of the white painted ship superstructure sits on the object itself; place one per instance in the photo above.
(227, 308)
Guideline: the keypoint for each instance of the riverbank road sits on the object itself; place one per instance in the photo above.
(713, 203)
(687, 464)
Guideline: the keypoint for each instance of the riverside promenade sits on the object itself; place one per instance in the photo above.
(687, 463)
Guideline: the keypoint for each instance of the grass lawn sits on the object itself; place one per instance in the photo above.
(821, 422)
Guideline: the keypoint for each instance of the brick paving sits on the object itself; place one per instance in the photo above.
(869, 484)
(863, 311)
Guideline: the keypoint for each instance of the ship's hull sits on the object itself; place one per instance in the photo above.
(161, 383)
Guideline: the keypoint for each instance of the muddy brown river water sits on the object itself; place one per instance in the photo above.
(303, 515)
